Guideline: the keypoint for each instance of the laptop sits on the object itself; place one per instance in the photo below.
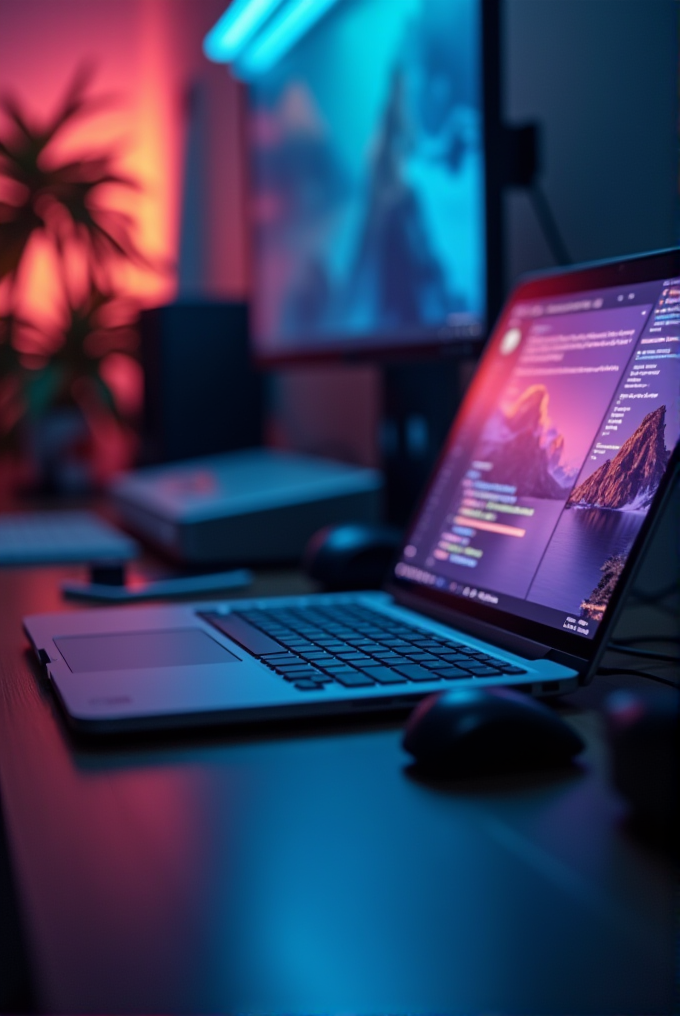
(512, 572)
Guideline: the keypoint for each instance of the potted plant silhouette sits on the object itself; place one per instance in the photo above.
(53, 377)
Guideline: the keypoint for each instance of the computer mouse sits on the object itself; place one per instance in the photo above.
(495, 730)
(643, 729)
(351, 555)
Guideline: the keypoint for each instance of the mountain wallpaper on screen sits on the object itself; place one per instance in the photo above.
(629, 480)
(595, 605)
(526, 451)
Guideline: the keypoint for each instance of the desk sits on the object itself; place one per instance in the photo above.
(306, 869)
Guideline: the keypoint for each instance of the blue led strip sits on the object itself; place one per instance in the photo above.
(280, 34)
(237, 26)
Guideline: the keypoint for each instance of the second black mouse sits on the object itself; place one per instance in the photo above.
(351, 555)
(495, 730)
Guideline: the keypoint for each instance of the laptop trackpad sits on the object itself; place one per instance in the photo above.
(141, 649)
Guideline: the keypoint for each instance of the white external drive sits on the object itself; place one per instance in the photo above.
(257, 505)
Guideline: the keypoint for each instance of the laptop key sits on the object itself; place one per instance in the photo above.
(415, 673)
(452, 673)
(353, 679)
(476, 665)
(308, 686)
(248, 637)
(299, 669)
(383, 675)
(507, 669)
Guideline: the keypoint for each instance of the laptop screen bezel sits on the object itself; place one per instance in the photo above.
(598, 275)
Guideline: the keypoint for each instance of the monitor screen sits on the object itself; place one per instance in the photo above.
(367, 148)
(556, 455)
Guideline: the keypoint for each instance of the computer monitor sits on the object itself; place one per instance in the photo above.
(376, 160)
(374, 194)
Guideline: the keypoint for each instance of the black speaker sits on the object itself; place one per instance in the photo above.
(202, 395)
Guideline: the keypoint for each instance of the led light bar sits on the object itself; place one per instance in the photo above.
(280, 34)
(229, 36)
(253, 35)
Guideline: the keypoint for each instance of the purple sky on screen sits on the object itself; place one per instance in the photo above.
(577, 401)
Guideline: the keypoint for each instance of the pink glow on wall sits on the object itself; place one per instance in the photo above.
(147, 54)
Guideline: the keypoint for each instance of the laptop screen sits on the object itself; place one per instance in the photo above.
(556, 455)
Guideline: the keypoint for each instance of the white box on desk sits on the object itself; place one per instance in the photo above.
(254, 506)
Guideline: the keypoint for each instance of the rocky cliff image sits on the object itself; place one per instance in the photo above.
(595, 605)
(630, 480)
(525, 449)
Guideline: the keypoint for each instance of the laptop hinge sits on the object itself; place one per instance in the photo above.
(567, 660)
(527, 648)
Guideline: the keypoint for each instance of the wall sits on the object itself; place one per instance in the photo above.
(601, 76)
(148, 56)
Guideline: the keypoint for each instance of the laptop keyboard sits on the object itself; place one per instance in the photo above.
(352, 645)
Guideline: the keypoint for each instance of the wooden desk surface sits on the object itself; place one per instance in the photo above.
(307, 870)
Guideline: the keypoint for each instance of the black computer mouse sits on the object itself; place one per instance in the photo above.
(351, 555)
(643, 728)
(495, 730)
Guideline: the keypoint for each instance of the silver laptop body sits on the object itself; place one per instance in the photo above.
(516, 563)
